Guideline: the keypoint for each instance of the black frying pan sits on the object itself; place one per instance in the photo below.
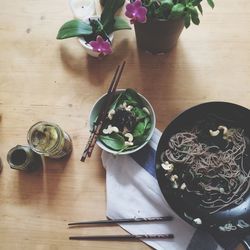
(232, 221)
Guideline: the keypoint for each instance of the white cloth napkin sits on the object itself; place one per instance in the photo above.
(133, 191)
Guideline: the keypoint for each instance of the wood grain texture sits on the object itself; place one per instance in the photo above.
(42, 78)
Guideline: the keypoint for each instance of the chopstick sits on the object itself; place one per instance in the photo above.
(123, 237)
(110, 95)
(103, 113)
(115, 221)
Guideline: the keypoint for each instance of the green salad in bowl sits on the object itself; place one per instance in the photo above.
(129, 123)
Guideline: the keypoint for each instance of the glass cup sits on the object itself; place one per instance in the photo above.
(49, 140)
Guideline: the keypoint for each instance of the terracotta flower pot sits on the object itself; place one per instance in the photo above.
(158, 35)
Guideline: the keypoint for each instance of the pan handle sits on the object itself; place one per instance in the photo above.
(246, 242)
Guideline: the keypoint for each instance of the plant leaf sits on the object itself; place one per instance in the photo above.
(116, 102)
(187, 20)
(151, 7)
(140, 139)
(168, 3)
(195, 2)
(148, 126)
(120, 24)
(177, 11)
(195, 20)
(193, 11)
(147, 123)
(74, 28)
(133, 96)
(109, 10)
(194, 15)
(113, 141)
(139, 129)
(139, 113)
(211, 3)
(142, 127)
(164, 9)
(200, 8)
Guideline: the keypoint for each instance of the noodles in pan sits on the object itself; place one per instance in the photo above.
(213, 172)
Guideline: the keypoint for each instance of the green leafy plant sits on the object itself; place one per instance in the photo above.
(167, 9)
(94, 27)
(128, 123)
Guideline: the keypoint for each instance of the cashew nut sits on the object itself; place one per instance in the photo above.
(168, 166)
(110, 129)
(198, 221)
(183, 186)
(175, 185)
(146, 110)
(129, 108)
(214, 132)
(128, 143)
(111, 113)
(174, 177)
(107, 130)
(224, 128)
(129, 136)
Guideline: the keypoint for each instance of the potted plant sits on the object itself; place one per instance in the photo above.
(96, 33)
(159, 23)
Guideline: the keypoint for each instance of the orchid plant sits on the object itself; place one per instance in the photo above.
(141, 10)
(96, 31)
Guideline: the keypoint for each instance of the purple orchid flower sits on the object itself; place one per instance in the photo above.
(101, 46)
(136, 12)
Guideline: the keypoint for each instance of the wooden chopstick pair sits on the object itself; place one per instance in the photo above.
(122, 237)
(103, 113)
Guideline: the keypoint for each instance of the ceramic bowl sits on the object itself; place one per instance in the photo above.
(96, 109)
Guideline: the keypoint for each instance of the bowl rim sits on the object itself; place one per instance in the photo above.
(153, 117)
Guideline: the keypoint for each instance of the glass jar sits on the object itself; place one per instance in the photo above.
(48, 139)
(23, 158)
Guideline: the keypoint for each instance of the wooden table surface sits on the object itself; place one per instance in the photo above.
(42, 78)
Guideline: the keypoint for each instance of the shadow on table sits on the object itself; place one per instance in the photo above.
(96, 70)
(71, 61)
(101, 71)
(43, 181)
(164, 79)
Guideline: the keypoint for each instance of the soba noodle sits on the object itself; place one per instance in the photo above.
(216, 175)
